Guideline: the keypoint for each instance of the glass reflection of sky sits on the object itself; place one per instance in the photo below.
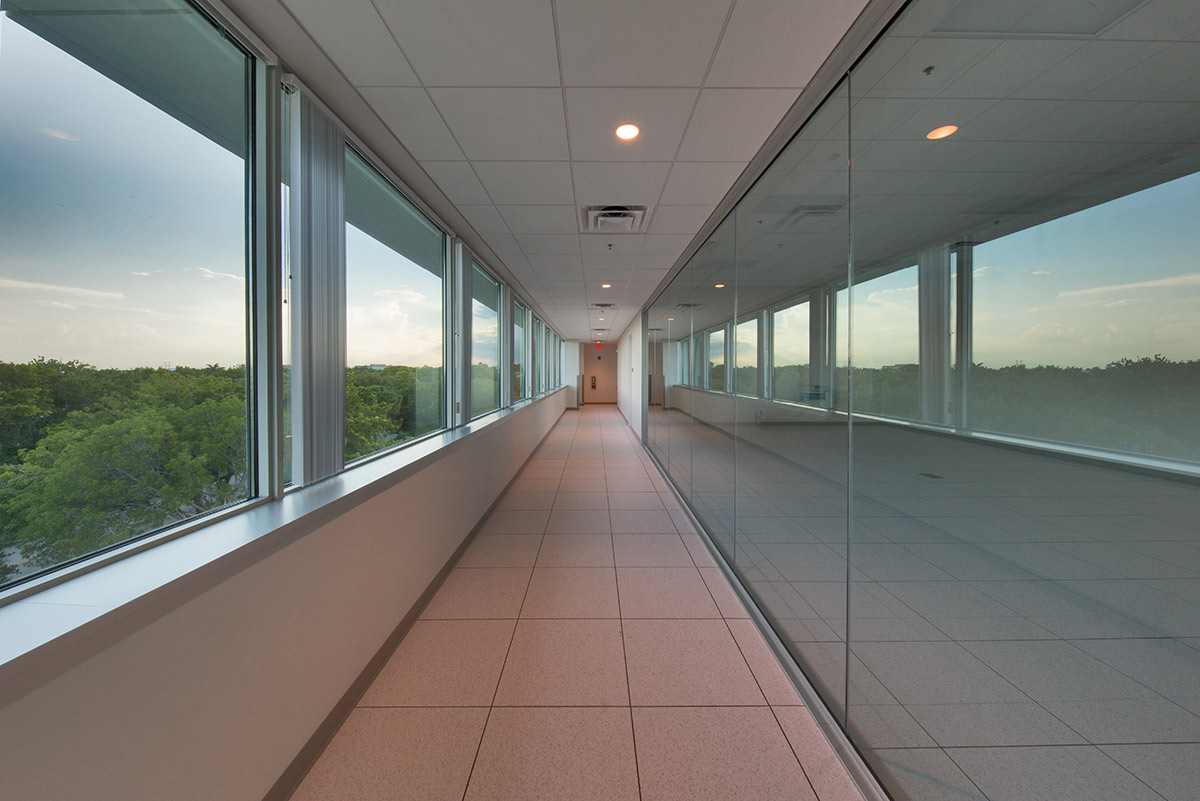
(123, 229)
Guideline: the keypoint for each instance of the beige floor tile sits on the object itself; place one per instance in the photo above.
(444, 663)
(825, 771)
(583, 485)
(565, 663)
(666, 592)
(687, 663)
(683, 523)
(527, 500)
(642, 521)
(534, 485)
(576, 550)
(555, 754)
(635, 500)
(479, 593)
(502, 550)
(722, 593)
(650, 550)
(774, 683)
(699, 551)
(707, 754)
(581, 500)
(629, 484)
(579, 521)
(566, 592)
(516, 521)
(396, 755)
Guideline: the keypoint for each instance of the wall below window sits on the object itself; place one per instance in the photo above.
(216, 695)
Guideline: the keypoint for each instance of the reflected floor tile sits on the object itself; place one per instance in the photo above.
(993, 724)
(1144, 720)
(927, 774)
(444, 663)
(555, 754)
(565, 663)
(886, 725)
(687, 663)
(1172, 770)
(1168, 667)
(707, 754)
(935, 672)
(1054, 773)
(391, 754)
(1056, 671)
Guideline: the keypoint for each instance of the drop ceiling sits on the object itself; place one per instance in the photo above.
(501, 116)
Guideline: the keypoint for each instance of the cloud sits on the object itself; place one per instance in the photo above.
(56, 304)
(212, 275)
(1191, 279)
(1047, 331)
(1113, 304)
(1040, 272)
(9, 283)
(979, 271)
(139, 273)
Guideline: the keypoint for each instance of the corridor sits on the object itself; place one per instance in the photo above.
(585, 646)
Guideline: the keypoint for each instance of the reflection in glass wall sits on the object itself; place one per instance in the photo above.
(485, 342)
(123, 278)
(395, 259)
(1010, 611)
(519, 377)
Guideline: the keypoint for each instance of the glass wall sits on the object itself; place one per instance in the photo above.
(982, 547)
(395, 317)
(485, 342)
(124, 379)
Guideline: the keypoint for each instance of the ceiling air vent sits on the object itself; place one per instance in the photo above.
(604, 305)
(686, 306)
(612, 219)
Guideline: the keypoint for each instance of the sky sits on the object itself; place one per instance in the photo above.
(122, 229)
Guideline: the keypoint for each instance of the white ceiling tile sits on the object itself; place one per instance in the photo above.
(560, 264)
(494, 44)
(1088, 67)
(636, 43)
(611, 243)
(732, 124)
(779, 42)
(457, 180)
(410, 114)
(594, 114)
(603, 183)
(700, 182)
(503, 244)
(527, 182)
(505, 124)
(592, 261)
(666, 244)
(354, 36)
(607, 273)
(549, 244)
(485, 219)
(679, 219)
(541, 219)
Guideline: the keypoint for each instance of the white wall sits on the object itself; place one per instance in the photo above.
(215, 697)
(631, 371)
(570, 371)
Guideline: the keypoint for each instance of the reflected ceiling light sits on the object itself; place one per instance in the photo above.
(601, 319)
(670, 319)
(54, 133)
(627, 131)
(941, 133)
(606, 286)
(718, 286)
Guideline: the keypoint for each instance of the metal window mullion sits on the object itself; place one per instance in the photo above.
(765, 336)
(460, 305)
(965, 320)
(266, 322)
(319, 296)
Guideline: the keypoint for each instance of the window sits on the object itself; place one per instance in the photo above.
(124, 378)
(790, 353)
(395, 262)
(685, 364)
(714, 373)
(485, 342)
(536, 356)
(520, 358)
(746, 371)
(885, 345)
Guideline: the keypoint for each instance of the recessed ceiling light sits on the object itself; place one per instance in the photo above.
(941, 133)
(718, 286)
(606, 286)
(628, 131)
(670, 319)
(601, 319)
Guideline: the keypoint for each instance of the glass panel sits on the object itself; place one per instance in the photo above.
(790, 378)
(285, 280)
(746, 371)
(123, 278)
(395, 386)
(536, 356)
(520, 346)
(485, 342)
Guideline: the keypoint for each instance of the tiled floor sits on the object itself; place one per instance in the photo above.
(1022, 626)
(587, 647)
